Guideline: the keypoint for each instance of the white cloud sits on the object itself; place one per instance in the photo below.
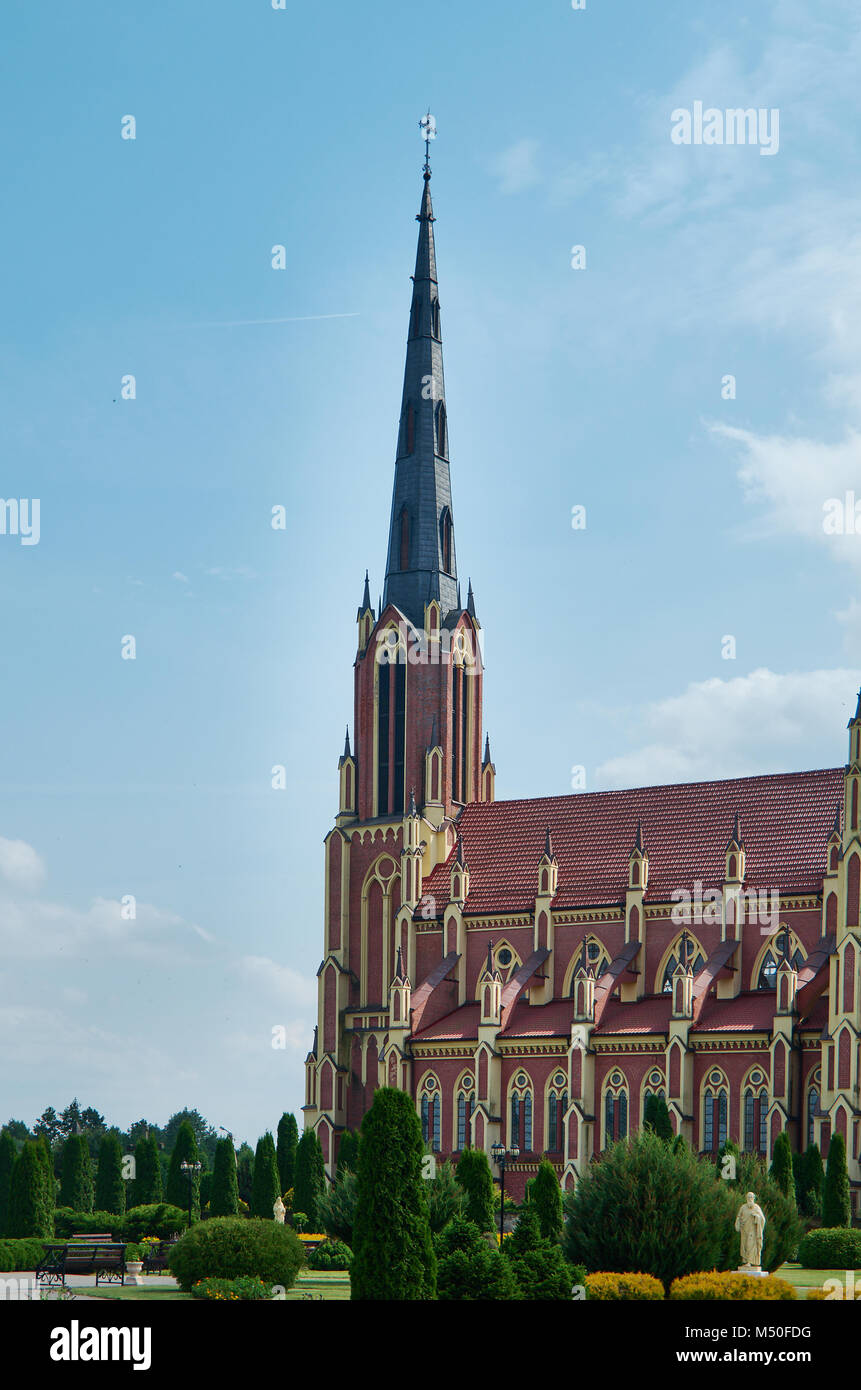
(762, 722)
(20, 864)
(516, 167)
(283, 984)
(177, 574)
(43, 930)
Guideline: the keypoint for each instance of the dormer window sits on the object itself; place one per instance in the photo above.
(441, 431)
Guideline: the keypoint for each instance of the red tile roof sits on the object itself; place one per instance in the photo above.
(462, 1023)
(649, 1015)
(747, 1013)
(785, 820)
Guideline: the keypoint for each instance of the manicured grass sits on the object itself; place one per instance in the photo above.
(803, 1279)
(130, 1291)
(334, 1284)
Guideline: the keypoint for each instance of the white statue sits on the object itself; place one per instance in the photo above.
(278, 1210)
(750, 1223)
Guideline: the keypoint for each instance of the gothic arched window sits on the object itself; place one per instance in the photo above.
(694, 958)
(415, 317)
(435, 317)
(813, 1097)
(465, 1099)
(441, 431)
(557, 1104)
(615, 1109)
(445, 540)
(431, 1106)
(755, 1113)
(785, 940)
(520, 1098)
(715, 1111)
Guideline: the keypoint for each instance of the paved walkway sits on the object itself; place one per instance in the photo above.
(81, 1284)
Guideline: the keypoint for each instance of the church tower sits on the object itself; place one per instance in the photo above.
(416, 756)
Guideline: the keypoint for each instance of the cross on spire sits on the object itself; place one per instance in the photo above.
(428, 129)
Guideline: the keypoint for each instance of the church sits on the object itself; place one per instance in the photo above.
(530, 971)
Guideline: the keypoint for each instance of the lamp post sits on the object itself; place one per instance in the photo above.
(190, 1169)
(500, 1156)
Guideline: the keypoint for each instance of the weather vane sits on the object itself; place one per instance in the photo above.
(428, 129)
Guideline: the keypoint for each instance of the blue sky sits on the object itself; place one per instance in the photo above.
(599, 386)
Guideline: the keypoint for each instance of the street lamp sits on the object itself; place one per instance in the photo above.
(191, 1169)
(500, 1156)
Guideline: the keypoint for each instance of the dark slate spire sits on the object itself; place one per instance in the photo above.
(366, 598)
(470, 601)
(347, 753)
(486, 759)
(548, 844)
(421, 559)
(638, 838)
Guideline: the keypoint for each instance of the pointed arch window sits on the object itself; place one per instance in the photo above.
(410, 429)
(615, 1109)
(435, 317)
(441, 431)
(520, 1127)
(415, 317)
(557, 1104)
(756, 1114)
(813, 1098)
(405, 539)
(465, 1104)
(784, 941)
(715, 1111)
(694, 958)
(445, 540)
(430, 1105)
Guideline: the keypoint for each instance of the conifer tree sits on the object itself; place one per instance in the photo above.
(836, 1207)
(147, 1187)
(176, 1188)
(309, 1179)
(285, 1151)
(245, 1173)
(812, 1180)
(474, 1176)
(267, 1184)
(8, 1154)
(76, 1185)
(545, 1199)
(393, 1255)
(224, 1199)
(781, 1165)
(348, 1152)
(31, 1209)
(110, 1188)
(656, 1117)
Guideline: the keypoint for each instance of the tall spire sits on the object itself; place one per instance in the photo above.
(421, 559)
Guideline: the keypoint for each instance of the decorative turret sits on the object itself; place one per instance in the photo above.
(347, 783)
(365, 616)
(548, 869)
(852, 774)
(459, 875)
(584, 990)
(433, 774)
(735, 855)
(488, 773)
(638, 862)
(400, 992)
(833, 845)
(411, 855)
(683, 981)
(490, 990)
(787, 980)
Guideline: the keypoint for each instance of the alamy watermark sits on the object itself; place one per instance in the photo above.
(20, 516)
(734, 126)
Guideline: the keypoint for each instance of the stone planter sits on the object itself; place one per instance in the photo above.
(133, 1272)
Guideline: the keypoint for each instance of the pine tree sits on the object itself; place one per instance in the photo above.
(176, 1188)
(31, 1210)
(76, 1185)
(245, 1173)
(474, 1176)
(8, 1154)
(348, 1152)
(836, 1208)
(781, 1165)
(110, 1188)
(267, 1184)
(309, 1179)
(656, 1117)
(285, 1151)
(224, 1199)
(393, 1255)
(545, 1199)
(147, 1187)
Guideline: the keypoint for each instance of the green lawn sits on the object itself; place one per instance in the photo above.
(803, 1279)
(335, 1285)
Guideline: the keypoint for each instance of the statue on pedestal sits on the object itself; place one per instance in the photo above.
(750, 1223)
(278, 1210)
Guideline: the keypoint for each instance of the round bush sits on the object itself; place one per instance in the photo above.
(154, 1219)
(331, 1254)
(727, 1287)
(623, 1287)
(836, 1247)
(228, 1247)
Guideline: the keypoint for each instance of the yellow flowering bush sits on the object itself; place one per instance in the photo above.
(731, 1286)
(620, 1287)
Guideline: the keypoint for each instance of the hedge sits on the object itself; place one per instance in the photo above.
(20, 1254)
(835, 1247)
(731, 1287)
(623, 1287)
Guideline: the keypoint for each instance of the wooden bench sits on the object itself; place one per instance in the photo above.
(87, 1254)
(157, 1257)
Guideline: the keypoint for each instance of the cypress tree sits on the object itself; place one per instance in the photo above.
(76, 1186)
(656, 1117)
(31, 1210)
(110, 1188)
(8, 1154)
(812, 1180)
(285, 1151)
(176, 1187)
(393, 1255)
(781, 1165)
(474, 1176)
(267, 1185)
(147, 1187)
(309, 1179)
(348, 1152)
(224, 1200)
(245, 1173)
(836, 1208)
(47, 1157)
(545, 1199)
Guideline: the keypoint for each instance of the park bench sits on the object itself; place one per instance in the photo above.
(157, 1257)
(85, 1254)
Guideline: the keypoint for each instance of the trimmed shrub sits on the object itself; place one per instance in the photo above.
(228, 1247)
(613, 1287)
(224, 1198)
(232, 1290)
(110, 1189)
(176, 1188)
(8, 1154)
(836, 1207)
(76, 1183)
(72, 1223)
(20, 1254)
(781, 1166)
(267, 1184)
(31, 1205)
(474, 1176)
(837, 1247)
(446, 1198)
(285, 1151)
(156, 1219)
(649, 1208)
(309, 1181)
(728, 1286)
(545, 1198)
(332, 1254)
(147, 1188)
(336, 1209)
(393, 1255)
